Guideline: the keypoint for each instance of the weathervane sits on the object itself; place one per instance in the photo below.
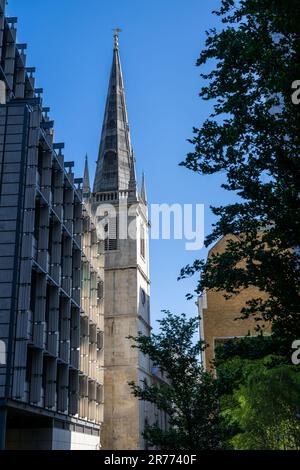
(116, 37)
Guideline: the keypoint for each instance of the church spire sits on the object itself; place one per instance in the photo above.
(86, 189)
(115, 167)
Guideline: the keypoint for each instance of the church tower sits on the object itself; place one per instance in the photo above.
(122, 211)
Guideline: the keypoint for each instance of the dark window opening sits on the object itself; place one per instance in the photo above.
(30, 354)
(111, 234)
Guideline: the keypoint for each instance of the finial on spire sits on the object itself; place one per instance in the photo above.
(116, 37)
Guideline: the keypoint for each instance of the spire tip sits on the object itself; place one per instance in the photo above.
(116, 37)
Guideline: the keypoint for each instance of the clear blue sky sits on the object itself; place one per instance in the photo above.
(70, 43)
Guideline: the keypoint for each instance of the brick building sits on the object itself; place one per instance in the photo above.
(219, 316)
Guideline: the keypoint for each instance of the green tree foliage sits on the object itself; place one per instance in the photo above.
(266, 409)
(253, 137)
(260, 395)
(188, 395)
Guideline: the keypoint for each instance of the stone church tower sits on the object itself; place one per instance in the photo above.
(122, 210)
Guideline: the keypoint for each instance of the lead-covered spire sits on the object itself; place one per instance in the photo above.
(115, 167)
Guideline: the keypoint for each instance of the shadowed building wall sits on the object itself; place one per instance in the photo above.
(218, 315)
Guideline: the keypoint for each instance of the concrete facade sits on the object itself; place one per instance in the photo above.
(51, 271)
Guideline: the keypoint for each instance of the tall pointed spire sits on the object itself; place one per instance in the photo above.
(86, 189)
(143, 190)
(115, 167)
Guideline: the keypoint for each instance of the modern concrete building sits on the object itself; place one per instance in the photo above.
(117, 204)
(219, 316)
(51, 276)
